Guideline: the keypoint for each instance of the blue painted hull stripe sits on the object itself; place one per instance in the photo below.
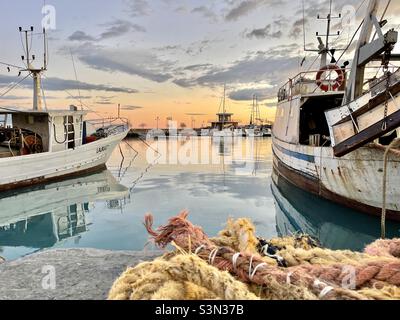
(297, 155)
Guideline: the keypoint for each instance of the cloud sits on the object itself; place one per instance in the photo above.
(258, 67)
(263, 33)
(198, 47)
(206, 13)
(168, 48)
(80, 36)
(131, 108)
(104, 102)
(297, 28)
(115, 28)
(247, 6)
(137, 62)
(196, 114)
(247, 94)
(120, 27)
(12, 97)
(138, 8)
(196, 67)
(78, 97)
(57, 84)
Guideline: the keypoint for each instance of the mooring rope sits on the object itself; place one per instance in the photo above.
(395, 144)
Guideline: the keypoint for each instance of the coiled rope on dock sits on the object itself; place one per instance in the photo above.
(237, 264)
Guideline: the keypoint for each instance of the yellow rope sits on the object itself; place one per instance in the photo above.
(184, 276)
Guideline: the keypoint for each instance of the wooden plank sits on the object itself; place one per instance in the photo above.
(373, 103)
(367, 119)
(343, 131)
(368, 135)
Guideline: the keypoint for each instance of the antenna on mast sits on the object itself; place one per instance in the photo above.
(36, 72)
(323, 48)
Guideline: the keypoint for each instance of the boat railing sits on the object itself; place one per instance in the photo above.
(306, 82)
(110, 126)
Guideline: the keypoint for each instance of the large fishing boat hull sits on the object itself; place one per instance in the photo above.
(355, 180)
(24, 171)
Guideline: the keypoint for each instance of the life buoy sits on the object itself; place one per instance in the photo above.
(333, 84)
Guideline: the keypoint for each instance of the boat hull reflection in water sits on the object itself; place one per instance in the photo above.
(44, 216)
(335, 226)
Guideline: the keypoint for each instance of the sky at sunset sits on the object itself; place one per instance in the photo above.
(169, 58)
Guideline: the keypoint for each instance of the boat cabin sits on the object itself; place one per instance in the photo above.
(302, 104)
(309, 111)
(224, 121)
(32, 132)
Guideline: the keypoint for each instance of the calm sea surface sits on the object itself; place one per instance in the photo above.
(213, 179)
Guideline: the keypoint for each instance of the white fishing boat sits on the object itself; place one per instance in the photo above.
(41, 145)
(334, 125)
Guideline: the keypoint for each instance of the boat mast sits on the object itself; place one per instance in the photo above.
(324, 47)
(252, 110)
(224, 108)
(355, 85)
(36, 73)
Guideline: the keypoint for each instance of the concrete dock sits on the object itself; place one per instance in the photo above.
(71, 274)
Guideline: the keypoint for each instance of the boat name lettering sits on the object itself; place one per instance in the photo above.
(102, 149)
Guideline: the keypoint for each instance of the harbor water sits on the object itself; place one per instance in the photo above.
(214, 179)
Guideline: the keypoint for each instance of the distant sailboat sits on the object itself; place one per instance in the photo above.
(256, 128)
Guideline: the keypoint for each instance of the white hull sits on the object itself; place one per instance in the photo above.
(36, 168)
(355, 178)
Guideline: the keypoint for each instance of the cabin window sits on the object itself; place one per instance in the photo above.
(314, 129)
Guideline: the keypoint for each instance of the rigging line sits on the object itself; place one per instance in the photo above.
(11, 65)
(30, 46)
(312, 64)
(23, 48)
(73, 97)
(304, 26)
(12, 110)
(15, 85)
(76, 78)
(357, 10)
(383, 16)
(43, 95)
(351, 41)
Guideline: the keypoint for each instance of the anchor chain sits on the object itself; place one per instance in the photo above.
(385, 64)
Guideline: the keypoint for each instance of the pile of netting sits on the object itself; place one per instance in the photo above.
(237, 265)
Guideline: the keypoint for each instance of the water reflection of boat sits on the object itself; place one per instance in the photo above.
(335, 226)
(41, 217)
